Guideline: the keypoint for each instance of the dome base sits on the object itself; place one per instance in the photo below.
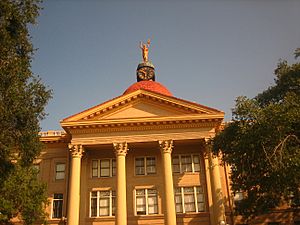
(148, 85)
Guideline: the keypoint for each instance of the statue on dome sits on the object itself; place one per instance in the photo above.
(145, 50)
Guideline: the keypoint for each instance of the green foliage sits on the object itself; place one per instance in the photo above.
(20, 194)
(262, 145)
(297, 53)
(22, 100)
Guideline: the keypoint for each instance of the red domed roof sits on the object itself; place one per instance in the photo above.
(148, 85)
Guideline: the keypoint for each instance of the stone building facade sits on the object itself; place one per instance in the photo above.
(139, 158)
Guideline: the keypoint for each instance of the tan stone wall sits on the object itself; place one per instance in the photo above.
(58, 152)
(54, 153)
(137, 181)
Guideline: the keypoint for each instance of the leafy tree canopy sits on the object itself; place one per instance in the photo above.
(262, 144)
(22, 100)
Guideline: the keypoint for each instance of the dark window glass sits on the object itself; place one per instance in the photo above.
(57, 206)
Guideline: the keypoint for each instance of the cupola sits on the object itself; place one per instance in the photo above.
(145, 75)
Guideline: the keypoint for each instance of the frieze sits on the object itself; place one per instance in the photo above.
(140, 126)
(55, 141)
(138, 138)
(65, 138)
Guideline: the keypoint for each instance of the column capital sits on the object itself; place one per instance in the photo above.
(76, 150)
(166, 146)
(120, 149)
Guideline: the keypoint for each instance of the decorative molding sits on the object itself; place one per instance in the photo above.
(166, 146)
(65, 138)
(54, 141)
(120, 149)
(141, 126)
(138, 137)
(52, 133)
(76, 150)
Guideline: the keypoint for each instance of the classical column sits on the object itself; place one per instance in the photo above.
(120, 150)
(216, 188)
(166, 148)
(74, 185)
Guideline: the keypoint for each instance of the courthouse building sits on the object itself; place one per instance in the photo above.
(139, 158)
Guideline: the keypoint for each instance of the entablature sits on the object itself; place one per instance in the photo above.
(54, 136)
(145, 123)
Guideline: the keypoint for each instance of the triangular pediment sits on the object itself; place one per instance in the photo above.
(144, 108)
(141, 104)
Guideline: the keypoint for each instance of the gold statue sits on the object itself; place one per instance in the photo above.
(145, 50)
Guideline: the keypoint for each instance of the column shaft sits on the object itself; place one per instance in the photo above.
(218, 202)
(169, 203)
(74, 186)
(121, 210)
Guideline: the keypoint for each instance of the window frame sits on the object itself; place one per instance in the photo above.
(112, 167)
(36, 167)
(146, 197)
(195, 199)
(238, 197)
(181, 164)
(60, 171)
(111, 206)
(62, 205)
(145, 166)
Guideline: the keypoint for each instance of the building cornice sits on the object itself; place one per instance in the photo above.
(54, 137)
(133, 124)
(111, 105)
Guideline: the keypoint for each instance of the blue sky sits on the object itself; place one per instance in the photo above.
(207, 52)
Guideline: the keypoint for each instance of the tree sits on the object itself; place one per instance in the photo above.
(262, 145)
(22, 100)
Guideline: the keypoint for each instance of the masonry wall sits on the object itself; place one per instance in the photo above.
(58, 153)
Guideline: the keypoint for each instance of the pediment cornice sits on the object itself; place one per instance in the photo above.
(129, 99)
(177, 113)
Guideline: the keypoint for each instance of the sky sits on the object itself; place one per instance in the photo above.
(209, 52)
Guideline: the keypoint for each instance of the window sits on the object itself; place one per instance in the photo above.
(239, 196)
(102, 203)
(60, 171)
(189, 199)
(185, 163)
(146, 201)
(94, 168)
(145, 165)
(103, 168)
(57, 206)
(36, 167)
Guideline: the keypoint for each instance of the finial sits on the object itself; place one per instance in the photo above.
(145, 50)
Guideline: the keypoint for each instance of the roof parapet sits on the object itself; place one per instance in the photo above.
(52, 133)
